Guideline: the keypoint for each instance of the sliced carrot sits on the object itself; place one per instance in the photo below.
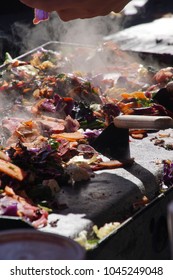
(135, 94)
(70, 136)
(126, 95)
(113, 164)
(12, 170)
(126, 108)
(4, 156)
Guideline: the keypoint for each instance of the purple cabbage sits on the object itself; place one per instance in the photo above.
(44, 163)
(168, 174)
(48, 106)
(154, 110)
(110, 110)
(11, 210)
(40, 15)
(58, 104)
(92, 134)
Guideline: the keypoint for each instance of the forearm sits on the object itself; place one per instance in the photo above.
(72, 9)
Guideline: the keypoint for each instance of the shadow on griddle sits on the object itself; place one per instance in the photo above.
(7, 223)
(109, 197)
(148, 179)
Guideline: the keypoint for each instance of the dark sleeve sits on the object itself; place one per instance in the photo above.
(13, 6)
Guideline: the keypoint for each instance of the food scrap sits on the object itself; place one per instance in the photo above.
(90, 239)
(40, 15)
(17, 206)
(140, 202)
(105, 230)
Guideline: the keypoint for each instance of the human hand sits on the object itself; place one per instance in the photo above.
(73, 9)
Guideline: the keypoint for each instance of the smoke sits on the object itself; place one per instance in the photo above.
(81, 31)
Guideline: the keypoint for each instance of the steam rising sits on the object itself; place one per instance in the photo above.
(85, 32)
(27, 37)
(82, 31)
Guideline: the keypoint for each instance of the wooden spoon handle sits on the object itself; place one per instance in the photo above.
(146, 122)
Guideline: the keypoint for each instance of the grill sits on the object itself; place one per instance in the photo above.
(109, 196)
